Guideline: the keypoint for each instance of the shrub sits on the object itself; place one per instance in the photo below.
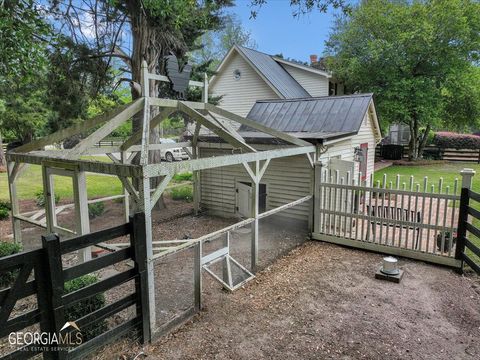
(6, 249)
(183, 177)
(86, 306)
(4, 204)
(183, 193)
(456, 141)
(40, 198)
(95, 209)
(4, 214)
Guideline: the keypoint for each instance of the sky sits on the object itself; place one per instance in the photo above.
(276, 31)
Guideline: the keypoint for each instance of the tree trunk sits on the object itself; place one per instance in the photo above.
(145, 48)
(3, 162)
(413, 146)
(423, 141)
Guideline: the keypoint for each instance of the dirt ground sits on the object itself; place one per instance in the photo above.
(322, 301)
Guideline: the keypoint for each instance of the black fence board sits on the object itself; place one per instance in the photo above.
(48, 286)
(471, 246)
(98, 287)
(20, 322)
(94, 238)
(107, 311)
(103, 339)
(97, 264)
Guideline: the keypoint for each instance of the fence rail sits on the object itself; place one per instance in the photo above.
(468, 231)
(461, 155)
(414, 220)
(49, 283)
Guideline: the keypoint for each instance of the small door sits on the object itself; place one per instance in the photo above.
(244, 193)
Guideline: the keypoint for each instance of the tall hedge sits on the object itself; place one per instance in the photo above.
(451, 140)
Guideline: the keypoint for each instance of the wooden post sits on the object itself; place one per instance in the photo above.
(254, 214)
(52, 283)
(196, 174)
(197, 276)
(138, 241)
(205, 88)
(82, 221)
(316, 196)
(467, 178)
(12, 188)
(145, 206)
(49, 195)
(126, 198)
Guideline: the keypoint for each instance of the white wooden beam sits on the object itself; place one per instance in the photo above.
(213, 127)
(105, 129)
(154, 122)
(159, 190)
(84, 165)
(152, 170)
(255, 125)
(70, 131)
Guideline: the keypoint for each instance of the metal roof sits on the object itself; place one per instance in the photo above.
(321, 117)
(274, 73)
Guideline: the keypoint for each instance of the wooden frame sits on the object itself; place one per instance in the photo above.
(142, 197)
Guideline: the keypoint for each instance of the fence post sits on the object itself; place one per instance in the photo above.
(316, 196)
(138, 242)
(50, 294)
(467, 178)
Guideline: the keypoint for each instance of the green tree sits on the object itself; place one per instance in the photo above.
(24, 34)
(214, 45)
(412, 55)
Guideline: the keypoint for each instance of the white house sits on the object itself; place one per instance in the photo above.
(292, 98)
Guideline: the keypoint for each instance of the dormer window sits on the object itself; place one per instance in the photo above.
(237, 74)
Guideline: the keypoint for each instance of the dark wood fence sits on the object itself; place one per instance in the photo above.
(468, 248)
(462, 155)
(48, 285)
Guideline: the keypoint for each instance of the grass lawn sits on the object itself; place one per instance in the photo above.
(447, 171)
(30, 182)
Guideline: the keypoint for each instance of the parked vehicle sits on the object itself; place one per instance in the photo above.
(173, 154)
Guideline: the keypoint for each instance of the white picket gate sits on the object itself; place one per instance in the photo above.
(416, 220)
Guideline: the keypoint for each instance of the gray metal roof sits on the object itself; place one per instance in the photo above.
(278, 77)
(321, 117)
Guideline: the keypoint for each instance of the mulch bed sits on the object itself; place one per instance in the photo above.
(322, 301)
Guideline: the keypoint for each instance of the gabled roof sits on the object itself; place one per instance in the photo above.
(321, 117)
(274, 73)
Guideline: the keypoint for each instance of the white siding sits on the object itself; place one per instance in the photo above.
(315, 84)
(240, 95)
(287, 179)
(345, 150)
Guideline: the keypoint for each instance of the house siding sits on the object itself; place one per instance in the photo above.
(287, 180)
(315, 84)
(345, 149)
(240, 95)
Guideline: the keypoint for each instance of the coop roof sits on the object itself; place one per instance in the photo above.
(311, 118)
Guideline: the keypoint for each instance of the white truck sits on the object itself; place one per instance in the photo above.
(173, 154)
